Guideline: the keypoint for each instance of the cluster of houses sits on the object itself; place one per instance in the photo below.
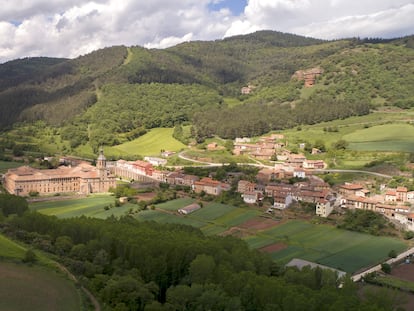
(392, 202)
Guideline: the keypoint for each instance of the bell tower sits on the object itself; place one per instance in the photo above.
(101, 161)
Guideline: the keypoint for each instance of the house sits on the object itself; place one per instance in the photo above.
(212, 146)
(296, 160)
(314, 164)
(299, 173)
(246, 90)
(410, 196)
(348, 189)
(324, 208)
(251, 197)
(245, 186)
(156, 161)
(189, 180)
(282, 201)
(210, 186)
(167, 153)
(391, 195)
(189, 209)
(362, 193)
(390, 210)
(406, 219)
(401, 193)
(356, 202)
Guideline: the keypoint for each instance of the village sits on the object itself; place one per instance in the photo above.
(292, 179)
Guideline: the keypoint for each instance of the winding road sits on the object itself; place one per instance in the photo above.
(182, 155)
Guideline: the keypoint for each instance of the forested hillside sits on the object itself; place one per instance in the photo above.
(116, 93)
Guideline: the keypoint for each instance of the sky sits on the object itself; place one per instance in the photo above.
(69, 28)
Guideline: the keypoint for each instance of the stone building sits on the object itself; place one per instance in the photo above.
(83, 179)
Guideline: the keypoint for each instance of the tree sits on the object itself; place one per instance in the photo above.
(392, 254)
(202, 269)
(29, 257)
(340, 144)
(385, 267)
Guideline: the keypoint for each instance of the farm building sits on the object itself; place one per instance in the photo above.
(189, 209)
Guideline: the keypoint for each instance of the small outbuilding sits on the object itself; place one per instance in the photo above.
(189, 209)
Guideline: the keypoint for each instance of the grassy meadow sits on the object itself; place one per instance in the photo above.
(149, 144)
(387, 137)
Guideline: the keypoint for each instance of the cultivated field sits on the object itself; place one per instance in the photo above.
(91, 207)
(36, 288)
(345, 250)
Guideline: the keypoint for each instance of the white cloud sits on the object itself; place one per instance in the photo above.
(67, 28)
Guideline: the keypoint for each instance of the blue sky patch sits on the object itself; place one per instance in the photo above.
(235, 6)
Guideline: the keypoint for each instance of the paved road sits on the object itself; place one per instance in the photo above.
(259, 164)
(357, 277)
(351, 171)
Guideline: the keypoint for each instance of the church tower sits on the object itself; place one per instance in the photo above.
(101, 161)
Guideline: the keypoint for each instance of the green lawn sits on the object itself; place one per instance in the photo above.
(36, 288)
(327, 245)
(149, 144)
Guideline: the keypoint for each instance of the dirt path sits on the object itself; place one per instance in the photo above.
(91, 297)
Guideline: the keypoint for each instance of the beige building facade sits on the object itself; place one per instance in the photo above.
(83, 179)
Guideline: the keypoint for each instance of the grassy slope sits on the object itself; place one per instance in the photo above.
(387, 137)
(149, 144)
(10, 249)
(35, 288)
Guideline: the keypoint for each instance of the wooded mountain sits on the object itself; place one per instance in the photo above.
(106, 95)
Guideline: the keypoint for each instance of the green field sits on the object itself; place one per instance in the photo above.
(5, 165)
(327, 245)
(375, 125)
(176, 204)
(387, 137)
(148, 144)
(345, 250)
(10, 249)
(36, 288)
(90, 207)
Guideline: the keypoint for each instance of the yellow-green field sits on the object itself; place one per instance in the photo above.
(387, 137)
(149, 144)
